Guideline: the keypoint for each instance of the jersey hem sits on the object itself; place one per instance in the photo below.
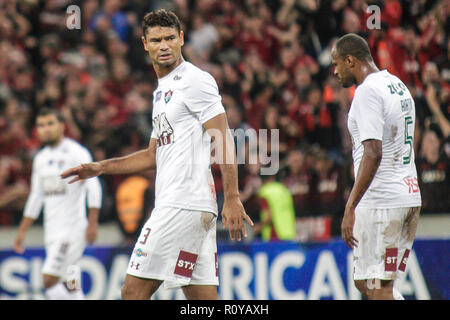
(188, 207)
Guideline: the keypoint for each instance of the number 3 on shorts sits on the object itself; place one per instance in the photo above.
(145, 235)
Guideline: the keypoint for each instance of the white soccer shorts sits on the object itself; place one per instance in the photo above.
(62, 253)
(385, 238)
(177, 246)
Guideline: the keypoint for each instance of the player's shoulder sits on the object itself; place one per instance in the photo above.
(194, 74)
(40, 154)
(374, 84)
(74, 147)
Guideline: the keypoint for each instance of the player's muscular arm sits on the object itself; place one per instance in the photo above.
(233, 211)
(367, 169)
(135, 162)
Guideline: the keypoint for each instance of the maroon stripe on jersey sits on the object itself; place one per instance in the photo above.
(185, 264)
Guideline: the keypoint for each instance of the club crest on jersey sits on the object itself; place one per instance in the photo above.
(168, 96)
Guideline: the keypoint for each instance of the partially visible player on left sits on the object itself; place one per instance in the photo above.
(67, 228)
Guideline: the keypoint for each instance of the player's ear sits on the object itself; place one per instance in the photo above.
(349, 61)
(62, 128)
(182, 37)
(144, 43)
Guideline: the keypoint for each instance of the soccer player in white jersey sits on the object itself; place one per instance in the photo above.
(382, 211)
(177, 244)
(67, 227)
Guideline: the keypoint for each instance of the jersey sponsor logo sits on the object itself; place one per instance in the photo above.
(53, 185)
(185, 264)
(413, 185)
(163, 130)
(158, 96)
(177, 77)
(390, 259)
(168, 96)
(140, 253)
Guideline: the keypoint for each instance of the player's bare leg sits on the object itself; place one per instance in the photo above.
(200, 292)
(361, 286)
(135, 288)
(383, 292)
(56, 290)
(49, 281)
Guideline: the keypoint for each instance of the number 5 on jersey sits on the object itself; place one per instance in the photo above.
(408, 140)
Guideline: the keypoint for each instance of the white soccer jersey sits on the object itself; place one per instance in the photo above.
(185, 99)
(383, 109)
(64, 204)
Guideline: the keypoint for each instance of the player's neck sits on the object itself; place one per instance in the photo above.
(365, 70)
(161, 72)
(56, 143)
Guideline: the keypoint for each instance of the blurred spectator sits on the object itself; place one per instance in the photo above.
(408, 59)
(134, 204)
(277, 220)
(249, 192)
(111, 17)
(329, 186)
(433, 173)
(301, 181)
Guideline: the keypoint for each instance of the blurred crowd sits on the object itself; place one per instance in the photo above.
(271, 60)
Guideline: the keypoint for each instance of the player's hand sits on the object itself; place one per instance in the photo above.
(347, 228)
(233, 215)
(18, 243)
(91, 232)
(84, 171)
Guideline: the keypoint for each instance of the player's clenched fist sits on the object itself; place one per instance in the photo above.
(83, 171)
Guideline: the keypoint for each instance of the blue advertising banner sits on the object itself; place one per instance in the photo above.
(253, 271)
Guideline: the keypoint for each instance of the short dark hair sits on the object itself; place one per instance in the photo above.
(161, 18)
(353, 45)
(48, 111)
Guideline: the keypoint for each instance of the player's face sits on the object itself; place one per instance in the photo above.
(163, 45)
(49, 129)
(342, 70)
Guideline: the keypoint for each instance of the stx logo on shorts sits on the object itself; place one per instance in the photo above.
(402, 266)
(390, 259)
(185, 264)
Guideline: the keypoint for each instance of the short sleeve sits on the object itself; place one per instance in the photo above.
(369, 113)
(202, 97)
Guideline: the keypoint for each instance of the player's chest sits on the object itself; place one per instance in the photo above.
(169, 109)
(54, 164)
(49, 171)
